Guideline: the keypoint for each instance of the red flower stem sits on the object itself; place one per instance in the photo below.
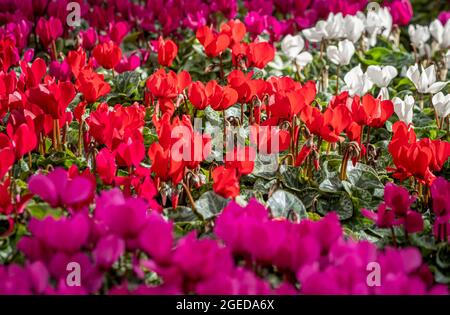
(54, 142)
(343, 172)
(41, 144)
(189, 195)
(58, 135)
(338, 70)
(80, 138)
(224, 129)
(53, 49)
(64, 134)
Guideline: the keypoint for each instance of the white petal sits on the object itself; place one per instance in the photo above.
(303, 59)
(436, 87)
(333, 54)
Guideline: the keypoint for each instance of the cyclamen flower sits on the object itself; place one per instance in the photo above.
(91, 84)
(292, 47)
(353, 27)
(441, 33)
(49, 30)
(331, 28)
(441, 104)
(167, 51)
(425, 79)
(404, 108)
(120, 215)
(59, 190)
(226, 182)
(440, 193)
(88, 38)
(382, 77)
(419, 35)
(107, 54)
(396, 210)
(342, 54)
(9, 55)
(214, 44)
(357, 82)
(401, 11)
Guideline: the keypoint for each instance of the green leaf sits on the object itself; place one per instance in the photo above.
(126, 83)
(339, 203)
(40, 210)
(210, 204)
(290, 177)
(180, 214)
(443, 256)
(265, 166)
(282, 203)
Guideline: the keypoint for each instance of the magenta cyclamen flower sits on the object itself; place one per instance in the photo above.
(156, 238)
(65, 234)
(250, 232)
(398, 199)
(30, 279)
(122, 216)
(401, 11)
(440, 193)
(444, 16)
(59, 190)
(108, 251)
(396, 210)
(88, 38)
(49, 30)
(201, 259)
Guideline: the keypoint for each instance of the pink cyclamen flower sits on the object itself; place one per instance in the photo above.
(88, 38)
(58, 189)
(49, 30)
(401, 11)
(444, 16)
(440, 193)
(397, 198)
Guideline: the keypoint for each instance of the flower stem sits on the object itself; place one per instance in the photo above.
(338, 70)
(189, 195)
(394, 238)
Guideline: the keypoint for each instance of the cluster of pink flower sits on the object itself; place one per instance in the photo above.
(396, 210)
(120, 16)
(124, 236)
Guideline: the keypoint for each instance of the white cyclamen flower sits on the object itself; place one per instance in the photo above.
(303, 59)
(381, 76)
(357, 82)
(441, 104)
(317, 33)
(376, 23)
(342, 54)
(331, 28)
(353, 28)
(441, 33)
(292, 47)
(419, 35)
(404, 108)
(424, 80)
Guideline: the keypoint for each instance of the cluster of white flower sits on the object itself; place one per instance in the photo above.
(338, 35)
(421, 34)
(347, 29)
